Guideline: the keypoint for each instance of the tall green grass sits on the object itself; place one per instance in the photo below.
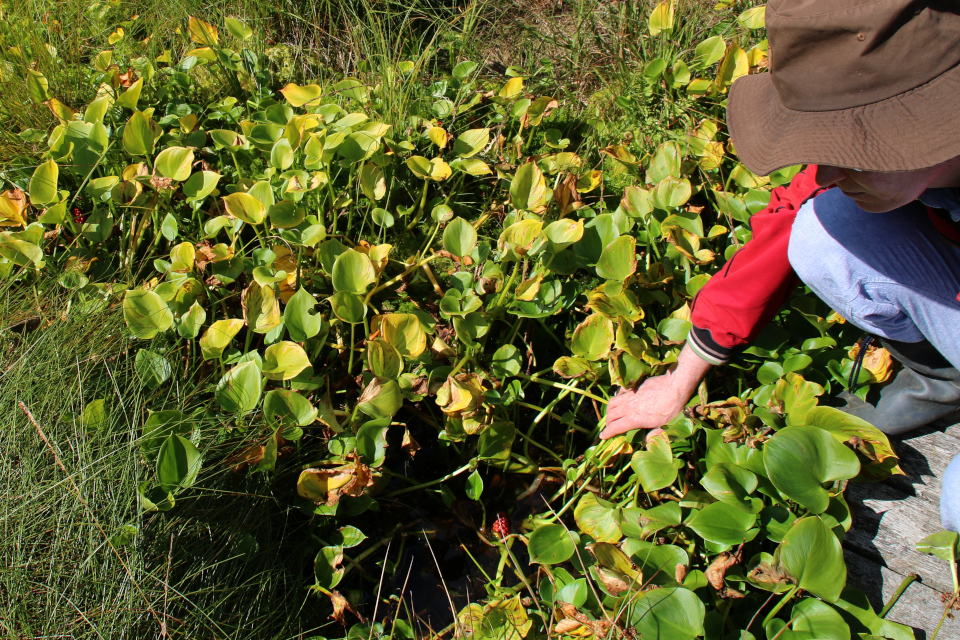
(217, 567)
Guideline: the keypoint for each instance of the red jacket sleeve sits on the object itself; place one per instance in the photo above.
(744, 296)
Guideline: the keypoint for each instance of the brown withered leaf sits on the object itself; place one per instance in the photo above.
(598, 627)
(567, 625)
(204, 255)
(732, 594)
(680, 572)
(409, 444)
(566, 195)
(420, 387)
(128, 78)
(340, 607)
(246, 457)
(718, 569)
(612, 581)
(160, 183)
(768, 574)
(329, 485)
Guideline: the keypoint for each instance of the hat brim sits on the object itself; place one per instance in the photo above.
(914, 130)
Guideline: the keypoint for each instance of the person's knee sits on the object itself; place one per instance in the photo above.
(950, 497)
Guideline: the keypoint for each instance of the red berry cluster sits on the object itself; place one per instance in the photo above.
(78, 216)
(501, 526)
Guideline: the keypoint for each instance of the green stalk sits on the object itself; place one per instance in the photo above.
(557, 385)
(423, 203)
(350, 358)
(906, 582)
(776, 609)
(423, 485)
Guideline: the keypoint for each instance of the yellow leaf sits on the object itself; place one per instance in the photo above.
(439, 136)
(661, 18)
(204, 53)
(589, 181)
(735, 64)
(512, 88)
(298, 96)
(12, 205)
(877, 361)
(202, 32)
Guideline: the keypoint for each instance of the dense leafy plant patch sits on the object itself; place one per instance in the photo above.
(360, 291)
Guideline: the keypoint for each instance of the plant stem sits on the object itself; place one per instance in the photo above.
(557, 385)
(462, 469)
(776, 609)
(423, 203)
(891, 603)
(350, 358)
(946, 612)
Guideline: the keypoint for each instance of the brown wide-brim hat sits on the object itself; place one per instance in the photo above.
(869, 86)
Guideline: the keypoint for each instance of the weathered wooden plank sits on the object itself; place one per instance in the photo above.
(949, 429)
(924, 456)
(887, 524)
(920, 606)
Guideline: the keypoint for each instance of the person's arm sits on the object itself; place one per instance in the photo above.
(728, 313)
(744, 296)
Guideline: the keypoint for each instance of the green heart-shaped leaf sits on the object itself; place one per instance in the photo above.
(383, 359)
(177, 463)
(733, 485)
(138, 135)
(146, 313)
(656, 467)
(619, 259)
(593, 337)
(595, 517)
(174, 163)
(298, 316)
(528, 190)
(668, 614)
(218, 336)
(459, 238)
(550, 544)
(811, 554)
(43, 183)
(239, 389)
(470, 143)
(722, 524)
(287, 408)
(353, 272)
(245, 207)
(152, 368)
(799, 460)
(284, 361)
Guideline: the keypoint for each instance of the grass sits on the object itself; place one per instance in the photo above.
(220, 568)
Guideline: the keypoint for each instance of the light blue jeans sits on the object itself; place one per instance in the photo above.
(890, 274)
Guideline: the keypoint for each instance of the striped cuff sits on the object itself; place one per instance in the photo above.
(703, 344)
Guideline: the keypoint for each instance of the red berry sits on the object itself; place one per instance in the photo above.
(78, 216)
(501, 526)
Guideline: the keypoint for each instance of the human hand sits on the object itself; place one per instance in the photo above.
(653, 404)
(659, 399)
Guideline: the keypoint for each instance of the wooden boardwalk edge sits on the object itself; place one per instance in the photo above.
(889, 518)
